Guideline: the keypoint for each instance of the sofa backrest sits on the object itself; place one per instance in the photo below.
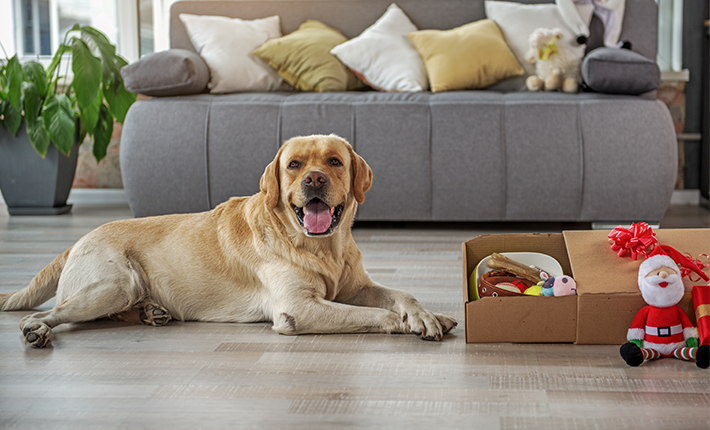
(351, 17)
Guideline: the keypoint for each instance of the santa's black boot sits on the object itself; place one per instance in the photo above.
(702, 357)
(631, 354)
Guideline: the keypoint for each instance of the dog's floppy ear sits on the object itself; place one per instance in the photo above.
(269, 183)
(362, 176)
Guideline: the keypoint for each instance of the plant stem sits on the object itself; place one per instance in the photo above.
(66, 75)
(59, 61)
(3, 51)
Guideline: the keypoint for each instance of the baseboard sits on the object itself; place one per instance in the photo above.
(115, 195)
(92, 195)
(685, 197)
(97, 195)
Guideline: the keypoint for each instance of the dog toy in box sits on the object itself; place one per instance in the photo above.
(558, 285)
(663, 329)
(509, 276)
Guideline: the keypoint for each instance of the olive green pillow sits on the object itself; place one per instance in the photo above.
(469, 57)
(303, 59)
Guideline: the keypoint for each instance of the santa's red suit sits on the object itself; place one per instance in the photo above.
(662, 329)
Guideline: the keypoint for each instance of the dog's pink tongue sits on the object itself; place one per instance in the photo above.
(316, 218)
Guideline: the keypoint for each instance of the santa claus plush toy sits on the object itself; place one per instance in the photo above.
(663, 329)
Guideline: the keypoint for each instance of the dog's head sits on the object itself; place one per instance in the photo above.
(315, 182)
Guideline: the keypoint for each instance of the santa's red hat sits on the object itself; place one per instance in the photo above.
(664, 255)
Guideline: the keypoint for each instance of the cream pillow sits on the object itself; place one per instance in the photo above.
(226, 45)
(303, 59)
(383, 56)
(517, 21)
(469, 57)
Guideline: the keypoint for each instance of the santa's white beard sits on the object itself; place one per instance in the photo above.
(654, 295)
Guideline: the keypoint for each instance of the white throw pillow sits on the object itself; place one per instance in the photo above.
(518, 21)
(383, 56)
(226, 45)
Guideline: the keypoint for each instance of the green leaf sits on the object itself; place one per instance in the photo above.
(112, 74)
(3, 83)
(87, 73)
(119, 99)
(90, 114)
(101, 47)
(38, 136)
(12, 117)
(14, 77)
(59, 122)
(102, 133)
(31, 100)
(35, 73)
(98, 42)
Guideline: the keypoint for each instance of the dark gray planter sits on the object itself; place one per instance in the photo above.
(30, 184)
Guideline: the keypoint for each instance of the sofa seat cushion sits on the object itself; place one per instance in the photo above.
(450, 156)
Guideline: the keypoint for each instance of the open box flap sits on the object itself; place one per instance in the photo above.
(599, 270)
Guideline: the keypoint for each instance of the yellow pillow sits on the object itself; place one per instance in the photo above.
(469, 57)
(303, 59)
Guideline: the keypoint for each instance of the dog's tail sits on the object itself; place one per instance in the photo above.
(42, 288)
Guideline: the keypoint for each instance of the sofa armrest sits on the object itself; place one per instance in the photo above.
(620, 71)
(173, 72)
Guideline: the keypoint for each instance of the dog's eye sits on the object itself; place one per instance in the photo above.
(335, 162)
(294, 164)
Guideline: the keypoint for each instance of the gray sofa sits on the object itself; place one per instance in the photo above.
(481, 155)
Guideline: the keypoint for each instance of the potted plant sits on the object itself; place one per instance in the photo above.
(45, 115)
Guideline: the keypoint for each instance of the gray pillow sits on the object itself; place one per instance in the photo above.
(173, 72)
(620, 71)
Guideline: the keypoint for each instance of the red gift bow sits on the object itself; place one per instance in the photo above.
(639, 239)
(684, 271)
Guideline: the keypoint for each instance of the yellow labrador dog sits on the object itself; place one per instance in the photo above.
(285, 254)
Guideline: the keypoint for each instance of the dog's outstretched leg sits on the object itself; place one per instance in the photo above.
(94, 283)
(37, 327)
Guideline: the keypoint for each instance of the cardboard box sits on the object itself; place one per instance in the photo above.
(607, 287)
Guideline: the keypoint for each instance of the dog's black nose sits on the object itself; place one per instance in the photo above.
(315, 179)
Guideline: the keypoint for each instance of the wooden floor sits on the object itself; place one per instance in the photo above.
(110, 375)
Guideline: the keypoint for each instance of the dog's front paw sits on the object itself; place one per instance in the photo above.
(38, 334)
(427, 324)
(446, 323)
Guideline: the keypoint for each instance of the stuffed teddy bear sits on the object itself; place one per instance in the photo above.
(663, 329)
(555, 67)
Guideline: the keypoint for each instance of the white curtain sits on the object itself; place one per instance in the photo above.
(670, 35)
